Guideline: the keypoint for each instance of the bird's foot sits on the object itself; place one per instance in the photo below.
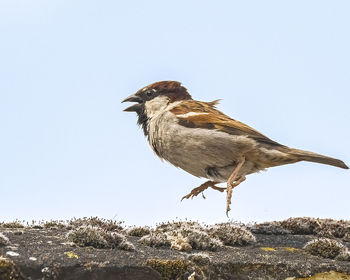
(202, 188)
(229, 193)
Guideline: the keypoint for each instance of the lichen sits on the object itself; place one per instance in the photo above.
(301, 225)
(290, 249)
(3, 240)
(14, 224)
(71, 255)
(126, 245)
(320, 227)
(138, 231)
(54, 224)
(199, 258)
(99, 238)
(182, 236)
(326, 248)
(105, 224)
(88, 236)
(268, 228)
(180, 243)
(8, 269)
(118, 240)
(201, 240)
(168, 269)
(267, 249)
(330, 275)
(198, 237)
(155, 239)
(232, 234)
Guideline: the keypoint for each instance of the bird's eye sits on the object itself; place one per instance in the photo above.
(149, 93)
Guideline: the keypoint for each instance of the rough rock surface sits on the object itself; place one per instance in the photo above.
(45, 251)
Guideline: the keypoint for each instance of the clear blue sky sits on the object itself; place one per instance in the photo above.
(67, 149)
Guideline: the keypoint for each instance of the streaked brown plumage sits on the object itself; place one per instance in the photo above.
(198, 138)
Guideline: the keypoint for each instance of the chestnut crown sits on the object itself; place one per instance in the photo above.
(172, 89)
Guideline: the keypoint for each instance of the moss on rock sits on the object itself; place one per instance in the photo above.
(168, 269)
(8, 270)
(326, 248)
(232, 234)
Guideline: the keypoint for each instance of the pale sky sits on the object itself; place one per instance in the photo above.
(68, 150)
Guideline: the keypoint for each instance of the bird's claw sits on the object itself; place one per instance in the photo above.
(192, 194)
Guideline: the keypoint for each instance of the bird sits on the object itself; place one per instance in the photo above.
(198, 138)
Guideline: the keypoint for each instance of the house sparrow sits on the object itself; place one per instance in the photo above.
(198, 138)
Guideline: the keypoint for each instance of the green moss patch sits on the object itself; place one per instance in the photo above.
(168, 269)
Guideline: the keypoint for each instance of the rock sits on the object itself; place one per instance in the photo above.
(267, 253)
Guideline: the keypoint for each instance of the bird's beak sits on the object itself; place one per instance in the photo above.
(135, 107)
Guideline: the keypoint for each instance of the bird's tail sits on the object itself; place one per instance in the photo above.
(313, 157)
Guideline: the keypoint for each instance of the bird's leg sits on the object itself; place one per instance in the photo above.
(218, 188)
(232, 182)
(202, 188)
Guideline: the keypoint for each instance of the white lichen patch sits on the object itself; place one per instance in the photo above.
(320, 227)
(104, 224)
(181, 236)
(127, 246)
(12, 254)
(180, 243)
(99, 238)
(155, 239)
(201, 240)
(4, 240)
(232, 234)
(326, 248)
(268, 228)
(172, 227)
(344, 255)
(118, 240)
(88, 236)
(198, 237)
(138, 231)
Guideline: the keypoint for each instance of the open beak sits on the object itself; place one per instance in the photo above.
(135, 107)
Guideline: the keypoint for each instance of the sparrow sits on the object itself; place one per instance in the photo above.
(198, 138)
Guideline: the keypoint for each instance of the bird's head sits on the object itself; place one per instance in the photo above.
(155, 97)
(159, 92)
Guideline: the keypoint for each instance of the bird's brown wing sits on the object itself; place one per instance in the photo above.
(197, 114)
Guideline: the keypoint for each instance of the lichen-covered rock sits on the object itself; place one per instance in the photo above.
(46, 253)
(199, 258)
(117, 240)
(54, 224)
(168, 269)
(180, 243)
(181, 236)
(15, 224)
(326, 248)
(301, 225)
(8, 270)
(99, 238)
(105, 224)
(320, 227)
(198, 237)
(232, 234)
(329, 275)
(138, 231)
(155, 239)
(88, 236)
(175, 227)
(201, 240)
(4, 240)
(269, 228)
